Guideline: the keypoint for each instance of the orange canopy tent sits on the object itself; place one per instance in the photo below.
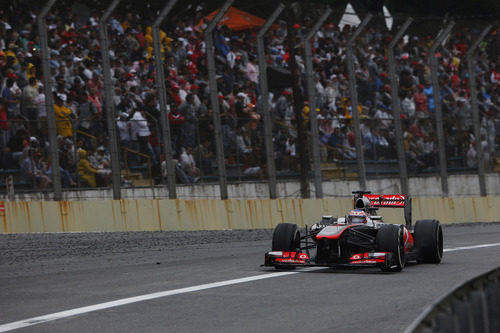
(236, 19)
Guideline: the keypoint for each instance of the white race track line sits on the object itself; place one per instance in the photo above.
(461, 248)
(147, 297)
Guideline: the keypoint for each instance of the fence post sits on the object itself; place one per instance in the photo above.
(475, 109)
(49, 100)
(396, 108)
(209, 40)
(354, 101)
(437, 102)
(312, 103)
(110, 105)
(266, 114)
(9, 182)
(160, 82)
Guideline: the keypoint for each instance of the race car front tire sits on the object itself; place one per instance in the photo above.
(286, 237)
(390, 238)
(429, 241)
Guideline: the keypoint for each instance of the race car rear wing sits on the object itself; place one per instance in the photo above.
(372, 202)
(386, 200)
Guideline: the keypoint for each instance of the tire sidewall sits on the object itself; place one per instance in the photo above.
(428, 241)
(390, 238)
(286, 237)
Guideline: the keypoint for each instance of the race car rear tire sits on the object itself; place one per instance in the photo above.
(286, 237)
(429, 241)
(390, 238)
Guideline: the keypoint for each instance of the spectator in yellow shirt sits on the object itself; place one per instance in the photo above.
(63, 118)
(85, 171)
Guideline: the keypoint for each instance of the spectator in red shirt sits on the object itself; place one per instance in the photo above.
(176, 121)
(4, 125)
(420, 100)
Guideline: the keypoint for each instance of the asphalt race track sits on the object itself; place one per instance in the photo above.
(213, 282)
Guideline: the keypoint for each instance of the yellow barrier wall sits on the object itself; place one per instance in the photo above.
(170, 215)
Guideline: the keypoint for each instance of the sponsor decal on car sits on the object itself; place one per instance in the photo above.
(368, 255)
(367, 261)
(367, 258)
(288, 257)
(386, 200)
(290, 261)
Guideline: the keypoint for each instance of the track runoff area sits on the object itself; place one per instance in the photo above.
(39, 320)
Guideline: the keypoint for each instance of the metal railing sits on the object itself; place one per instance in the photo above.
(472, 307)
(135, 152)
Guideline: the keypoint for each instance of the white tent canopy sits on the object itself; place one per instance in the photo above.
(351, 18)
(388, 18)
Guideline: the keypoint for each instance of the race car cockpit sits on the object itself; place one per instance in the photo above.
(357, 216)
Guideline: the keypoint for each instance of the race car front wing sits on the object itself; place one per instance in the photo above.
(284, 259)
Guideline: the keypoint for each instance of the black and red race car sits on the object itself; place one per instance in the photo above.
(360, 239)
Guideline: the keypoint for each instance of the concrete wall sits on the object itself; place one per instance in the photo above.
(199, 207)
(170, 215)
(459, 185)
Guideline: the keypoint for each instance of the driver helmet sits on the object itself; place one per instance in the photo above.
(357, 216)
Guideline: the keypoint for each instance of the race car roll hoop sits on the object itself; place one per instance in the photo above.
(366, 200)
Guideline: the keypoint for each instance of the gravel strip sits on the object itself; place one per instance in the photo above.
(35, 253)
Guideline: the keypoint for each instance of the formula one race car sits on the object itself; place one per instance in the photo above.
(360, 239)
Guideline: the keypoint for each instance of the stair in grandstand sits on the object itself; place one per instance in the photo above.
(19, 182)
(496, 167)
(142, 182)
(134, 178)
(332, 171)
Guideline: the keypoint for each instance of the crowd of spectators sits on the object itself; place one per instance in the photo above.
(80, 111)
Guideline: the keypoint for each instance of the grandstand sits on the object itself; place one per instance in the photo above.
(77, 85)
